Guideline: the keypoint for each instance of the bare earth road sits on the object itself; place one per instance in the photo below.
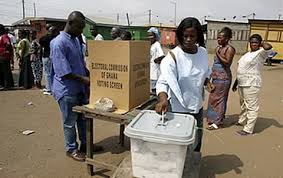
(224, 154)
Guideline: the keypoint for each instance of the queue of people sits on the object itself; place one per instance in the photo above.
(32, 55)
(179, 78)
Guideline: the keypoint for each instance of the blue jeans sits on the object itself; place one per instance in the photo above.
(70, 119)
(47, 72)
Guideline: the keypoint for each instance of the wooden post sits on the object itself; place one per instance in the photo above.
(89, 143)
(121, 136)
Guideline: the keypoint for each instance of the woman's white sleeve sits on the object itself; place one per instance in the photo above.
(168, 72)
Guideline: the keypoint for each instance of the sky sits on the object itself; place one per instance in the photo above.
(163, 11)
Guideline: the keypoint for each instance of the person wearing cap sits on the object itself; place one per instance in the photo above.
(156, 55)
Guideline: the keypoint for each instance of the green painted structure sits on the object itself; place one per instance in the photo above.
(138, 32)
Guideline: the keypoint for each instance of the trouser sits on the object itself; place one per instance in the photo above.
(199, 118)
(249, 101)
(37, 70)
(6, 76)
(47, 72)
(71, 119)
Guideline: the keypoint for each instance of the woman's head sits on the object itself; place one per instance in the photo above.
(255, 42)
(33, 35)
(189, 32)
(23, 34)
(2, 29)
(153, 35)
(224, 36)
(126, 35)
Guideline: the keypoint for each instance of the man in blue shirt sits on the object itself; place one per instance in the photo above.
(69, 82)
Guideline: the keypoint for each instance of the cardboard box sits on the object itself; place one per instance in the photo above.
(119, 70)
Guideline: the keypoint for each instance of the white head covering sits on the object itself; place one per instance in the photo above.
(155, 31)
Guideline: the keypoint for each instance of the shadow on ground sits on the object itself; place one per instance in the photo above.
(220, 164)
(261, 123)
(111, 144)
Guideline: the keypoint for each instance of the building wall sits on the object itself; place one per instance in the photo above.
(168, 37)
(241, 33)
(39, 27)
(138, 33)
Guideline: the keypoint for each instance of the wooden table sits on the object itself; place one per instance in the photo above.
(122, 119)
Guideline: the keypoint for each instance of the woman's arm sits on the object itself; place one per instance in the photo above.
(266, 46)
(226, 58)
(159, 59)
(21, 49)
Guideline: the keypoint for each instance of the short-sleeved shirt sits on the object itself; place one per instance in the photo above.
(6, 50)
(249, 67)
(66, 58)
(13, 39)
(45, 44)
(98, 37)
(155, 52)
(23, 47)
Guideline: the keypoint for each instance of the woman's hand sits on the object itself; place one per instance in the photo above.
(210, 87)
(235, 86)
(162, 105)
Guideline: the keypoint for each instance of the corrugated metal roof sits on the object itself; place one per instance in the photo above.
(227, 21)
(264, 21)
(101, 20)
(161, 26)
(28, 19)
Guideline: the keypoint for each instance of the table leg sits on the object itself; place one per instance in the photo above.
(121, 136)
(89, 144)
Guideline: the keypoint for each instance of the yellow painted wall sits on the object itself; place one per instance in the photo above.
(273, 34)
(278, 47)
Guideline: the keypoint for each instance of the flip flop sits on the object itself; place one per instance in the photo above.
(212, 127)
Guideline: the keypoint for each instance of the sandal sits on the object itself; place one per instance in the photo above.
(212, 127)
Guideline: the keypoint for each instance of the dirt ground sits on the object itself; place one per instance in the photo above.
(224, 154)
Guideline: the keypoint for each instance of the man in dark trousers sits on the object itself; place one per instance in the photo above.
(6, 57)
(45, 45)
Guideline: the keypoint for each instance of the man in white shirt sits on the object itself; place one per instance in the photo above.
(249, 82)
(156, 55)
(95, 33)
